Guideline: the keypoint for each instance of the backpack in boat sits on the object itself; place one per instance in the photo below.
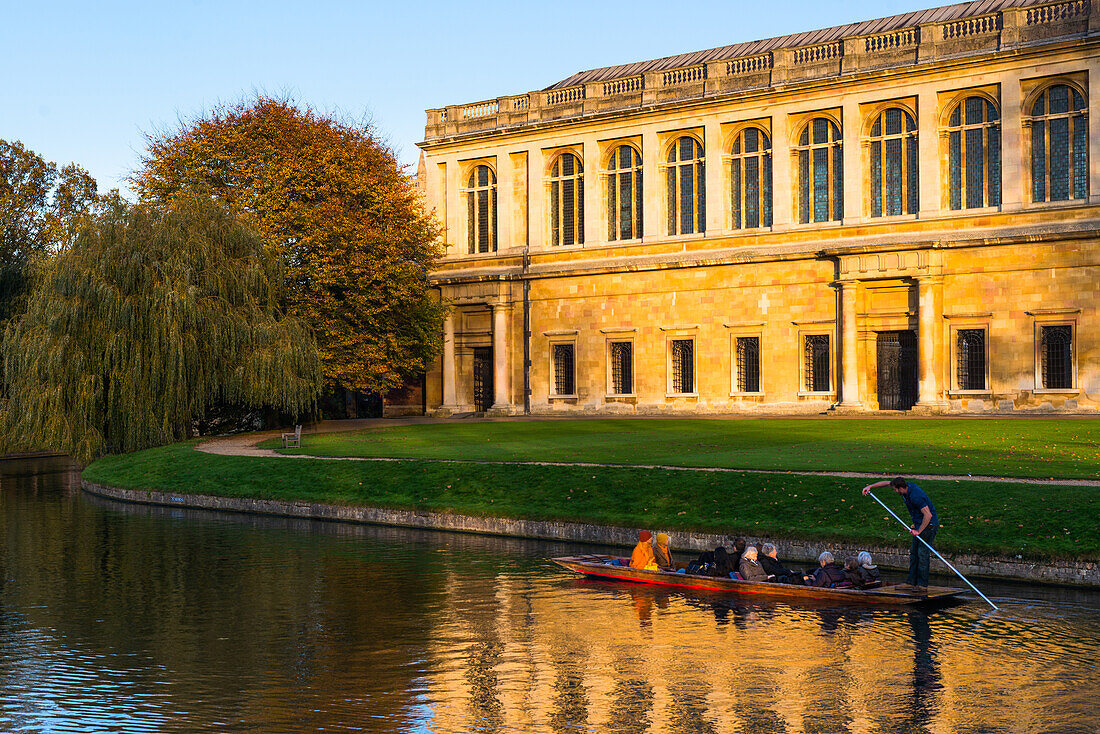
(703, 565)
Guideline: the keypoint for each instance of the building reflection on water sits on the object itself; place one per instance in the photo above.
(126, 618)
(573, 655)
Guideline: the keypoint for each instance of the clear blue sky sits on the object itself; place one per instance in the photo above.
(84, 82)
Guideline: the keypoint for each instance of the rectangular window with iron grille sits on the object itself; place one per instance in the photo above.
(683, 366)
(748, 364)
(816, 350)
(622, 368)
(1056, 356)
(970, 353)
(563, 360)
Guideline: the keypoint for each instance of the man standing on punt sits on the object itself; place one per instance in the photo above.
(925, 525)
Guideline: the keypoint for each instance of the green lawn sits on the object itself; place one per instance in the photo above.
(1048, 448)
(1029, 520)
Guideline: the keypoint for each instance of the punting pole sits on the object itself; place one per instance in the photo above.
(948, 563)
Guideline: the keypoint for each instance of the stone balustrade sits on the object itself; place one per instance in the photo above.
(1007, 29)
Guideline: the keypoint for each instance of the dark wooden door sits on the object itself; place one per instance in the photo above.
(897, 370)
(483, 378)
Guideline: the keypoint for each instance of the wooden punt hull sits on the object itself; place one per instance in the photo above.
(598, 566)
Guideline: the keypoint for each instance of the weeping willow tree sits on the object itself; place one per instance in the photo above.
(154, 315)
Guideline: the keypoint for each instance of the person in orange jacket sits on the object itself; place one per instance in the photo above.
(642, 557)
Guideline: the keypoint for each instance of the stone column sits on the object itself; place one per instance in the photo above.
(449, 402)
(929, 392)
(849, 386)
(500, 356)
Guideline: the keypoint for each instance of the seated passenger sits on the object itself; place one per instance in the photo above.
(662, 553)
(771, 565)
(642, 557)
(735, 554)
(723, 564)
(851, 571)
(750, 569)
(868, 571)
(829, 573)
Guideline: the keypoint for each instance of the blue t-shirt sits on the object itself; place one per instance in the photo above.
(915, 500)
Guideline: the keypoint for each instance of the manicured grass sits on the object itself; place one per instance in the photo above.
(1029, 520)
(1048, 448)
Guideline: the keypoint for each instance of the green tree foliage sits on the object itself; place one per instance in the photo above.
(332, 199)
(42, 208)
(153, 315)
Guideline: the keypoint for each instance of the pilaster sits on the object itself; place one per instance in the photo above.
(595, 183)
(853, 174)
(1012, 178)
(929, 385)
(849, 358)
(717, 200)
(501, 373)
(450, 404)
(928, 152)
(651, 186)
(782, 199)
(1094, 120)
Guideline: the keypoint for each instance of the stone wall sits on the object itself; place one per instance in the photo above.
(1057, 572)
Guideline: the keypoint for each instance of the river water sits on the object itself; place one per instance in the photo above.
(123, 618)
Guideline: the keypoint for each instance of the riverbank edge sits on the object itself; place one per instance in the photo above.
(1059, 572)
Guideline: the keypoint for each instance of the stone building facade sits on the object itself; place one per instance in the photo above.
(898, 214)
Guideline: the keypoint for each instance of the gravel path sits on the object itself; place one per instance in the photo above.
(247, 445)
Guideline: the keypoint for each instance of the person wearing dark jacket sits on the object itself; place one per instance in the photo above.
(829, 574)
(925, 525)
(769, 561)
(868, 571)
(735, 556)
(722, 565)
(750, 569)
(851, 572)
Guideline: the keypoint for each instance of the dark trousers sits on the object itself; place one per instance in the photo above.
(918, 556)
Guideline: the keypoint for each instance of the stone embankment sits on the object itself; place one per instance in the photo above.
(1074, 573)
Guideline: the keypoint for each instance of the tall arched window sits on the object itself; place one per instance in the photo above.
(687, 191)
(481, 210)
(567, 200)
(1059, 145)
(624, 194)
(974, 154)
(820, 172)
(893, 158)
(751, 179)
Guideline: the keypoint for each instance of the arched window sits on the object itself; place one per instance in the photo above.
(481, 210)
(687, 191)
(893, 154)
(751, 179)
(820, 172)
(624, 194)
(567, 200)
(1059, 145)
(974, 154)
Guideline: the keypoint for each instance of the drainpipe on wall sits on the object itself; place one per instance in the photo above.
(527, 290)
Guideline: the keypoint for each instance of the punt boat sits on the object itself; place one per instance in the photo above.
(616, 568)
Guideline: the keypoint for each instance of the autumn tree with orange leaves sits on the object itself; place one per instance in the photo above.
(332, 199)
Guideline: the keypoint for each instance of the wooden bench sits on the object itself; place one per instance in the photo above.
(293, 440)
